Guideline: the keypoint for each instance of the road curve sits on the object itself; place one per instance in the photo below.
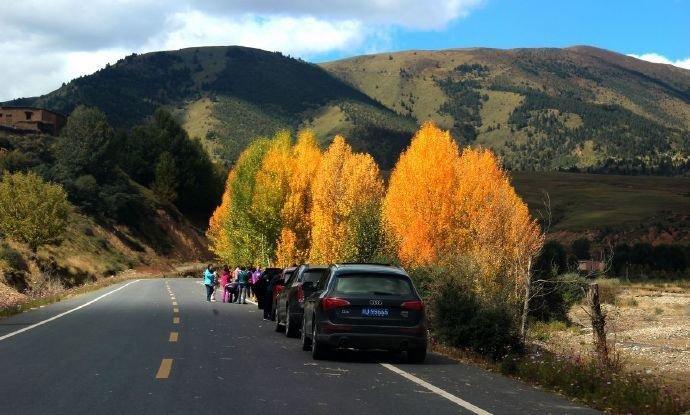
(156, 347)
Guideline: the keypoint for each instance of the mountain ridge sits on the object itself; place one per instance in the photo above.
(579, 107)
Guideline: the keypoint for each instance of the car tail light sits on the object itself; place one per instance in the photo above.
(330, 303)
(413, 305)
(300, 294)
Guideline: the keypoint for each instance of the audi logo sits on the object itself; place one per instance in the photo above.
(375, 302)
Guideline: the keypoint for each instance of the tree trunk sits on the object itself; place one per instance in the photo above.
(525, 303)
(598, 325)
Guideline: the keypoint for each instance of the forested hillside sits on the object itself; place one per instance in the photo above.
(93, 202)
(227, 96)
(577, 108)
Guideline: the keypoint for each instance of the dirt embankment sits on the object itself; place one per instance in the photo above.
(92, 251)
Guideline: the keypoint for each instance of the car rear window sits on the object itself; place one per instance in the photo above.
(287, 275)
(312, 275)
(372, 284)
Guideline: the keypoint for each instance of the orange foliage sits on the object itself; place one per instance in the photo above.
(492, 224)
(417, 208)
(442, 205)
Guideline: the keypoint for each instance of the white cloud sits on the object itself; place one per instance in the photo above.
(656, 58)
(47, 43)
(302, 36)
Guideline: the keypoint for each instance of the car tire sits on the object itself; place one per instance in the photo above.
(416, 355)
(289, 324)
(319, 350)
(274, 312)
(306, 341)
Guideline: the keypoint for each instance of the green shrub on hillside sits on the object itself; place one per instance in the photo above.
(32, 211)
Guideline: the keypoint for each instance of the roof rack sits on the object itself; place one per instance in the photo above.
(367, 263)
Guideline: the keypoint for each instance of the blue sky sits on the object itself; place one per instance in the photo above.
(48, 43)
(629, 27)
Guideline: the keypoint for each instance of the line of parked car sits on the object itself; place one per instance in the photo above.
(349, 306)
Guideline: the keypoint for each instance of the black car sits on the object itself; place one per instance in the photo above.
(290, 301)
(277, 285)
(365, 306)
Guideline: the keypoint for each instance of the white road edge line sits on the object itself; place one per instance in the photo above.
(48, 320)
(436, 390)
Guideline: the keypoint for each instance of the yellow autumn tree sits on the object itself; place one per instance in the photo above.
(219, 242)
(346, 185)
(233, 230)
(418, 209)
(295, 236)
(270, 193)
(442, 205)
(493, 226)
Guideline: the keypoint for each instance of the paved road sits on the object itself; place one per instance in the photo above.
(119, 355)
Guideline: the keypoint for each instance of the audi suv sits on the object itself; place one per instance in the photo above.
(365, 306)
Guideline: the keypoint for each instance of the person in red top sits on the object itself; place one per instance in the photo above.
(225, 277)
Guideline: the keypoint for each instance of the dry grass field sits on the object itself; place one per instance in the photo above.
(648, 327)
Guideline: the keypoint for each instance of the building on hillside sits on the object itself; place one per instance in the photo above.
(31, 120)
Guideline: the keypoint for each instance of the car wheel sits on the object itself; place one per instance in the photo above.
(274, 313)
(319, 350)
(416, 355)
(290, 329)
(306, 341)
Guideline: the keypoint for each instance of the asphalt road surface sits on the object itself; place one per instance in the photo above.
(157, 347)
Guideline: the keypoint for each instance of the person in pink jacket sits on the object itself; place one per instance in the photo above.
(225, 277)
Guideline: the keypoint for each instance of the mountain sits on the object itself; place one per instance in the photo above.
(541, 109)
(229, 95)
(578, 108)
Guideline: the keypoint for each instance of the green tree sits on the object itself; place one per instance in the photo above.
(32, 211)
(85, 145)
(165, 181)
(198, 186)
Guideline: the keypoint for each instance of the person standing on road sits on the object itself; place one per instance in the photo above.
(209, 281)
(256, 274)
(261, 288)
(242, 281)
(225, 283)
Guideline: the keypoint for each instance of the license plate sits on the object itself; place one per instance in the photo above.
(375, 312)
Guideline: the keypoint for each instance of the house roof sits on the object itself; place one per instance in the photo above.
(10, 107)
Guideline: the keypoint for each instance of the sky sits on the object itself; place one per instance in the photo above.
(44, 43)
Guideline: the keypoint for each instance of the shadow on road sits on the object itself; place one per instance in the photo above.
(369, 356)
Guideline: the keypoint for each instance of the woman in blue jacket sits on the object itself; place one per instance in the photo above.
(209, 281)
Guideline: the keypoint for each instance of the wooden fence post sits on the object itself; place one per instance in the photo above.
(598, 325)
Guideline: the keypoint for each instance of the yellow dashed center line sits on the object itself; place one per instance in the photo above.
(174, 302)
(173, 337)
(176, 310)
(164, 369)
(176, 320)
